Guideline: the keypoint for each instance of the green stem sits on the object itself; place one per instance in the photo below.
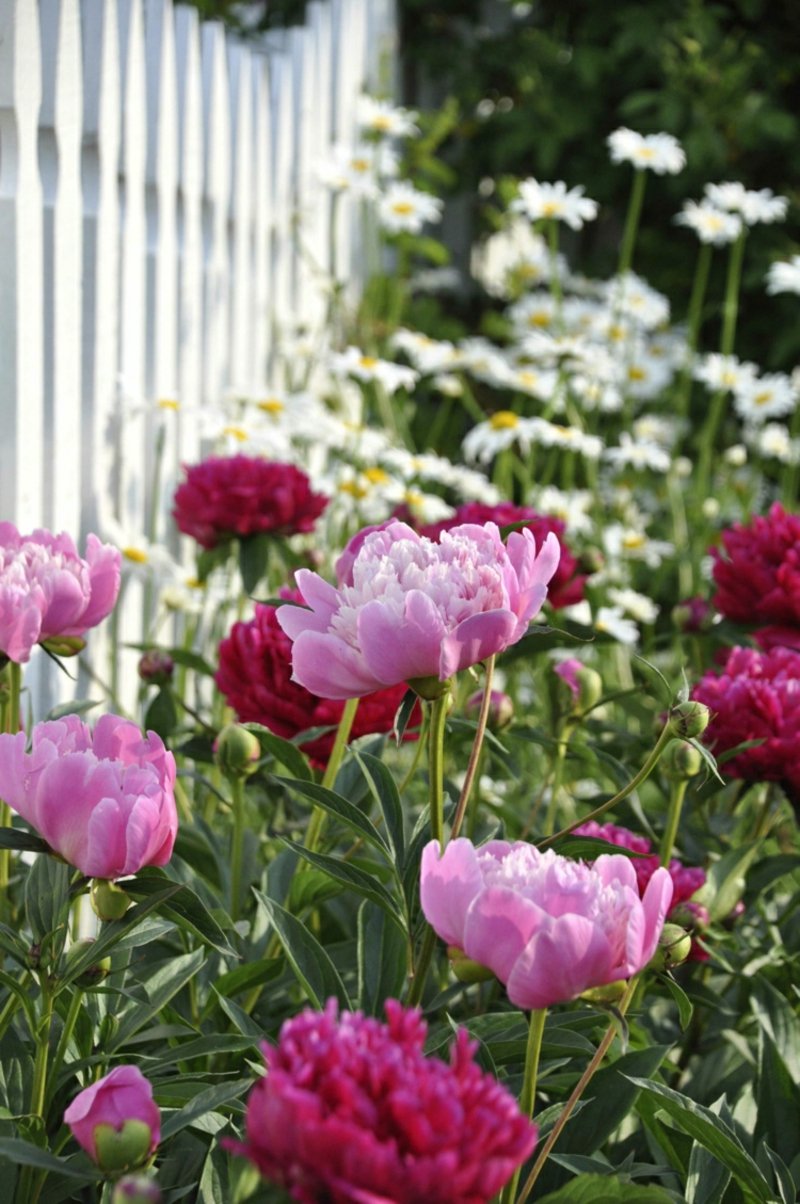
(667, 734)
(528, 1094)
(29, 1182)
(693, 322)
(13, 674)
(477, 745)
(677, 796)
(578, 1091)
(438, 715)
(632, 222)
(555, 279)
(71, 1019)
(421, 968)
(555, 785)
(317, 821)
(237, 845)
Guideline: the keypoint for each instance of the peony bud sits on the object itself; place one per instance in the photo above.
(429, 688)
(674, 946)
(94, 974)
(108, 900)
(689, 719)
(237, 751)
(693, 615)
(116, 1120)
(583, 687)
(501, 709)
(122, 1149)
(136, 1189)
(691, 915)
(465, 969)
(681, 760)
(64, 645)
(611, 993)
(156, 667)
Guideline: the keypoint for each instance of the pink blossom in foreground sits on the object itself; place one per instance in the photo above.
(47, 590)
(352, 1112)
(103, 799)
(756, 697)
(120, 1097)
(411, 608)
(549, 928)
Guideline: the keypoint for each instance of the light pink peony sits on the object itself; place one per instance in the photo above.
(47, 590)
(352, 1112)
(102, 800)
(122, 1096)
(549, 928)
(410, 608)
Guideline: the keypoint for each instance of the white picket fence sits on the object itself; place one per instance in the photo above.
(152, 169)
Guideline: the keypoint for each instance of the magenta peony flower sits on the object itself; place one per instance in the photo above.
(231, 497)
(549, 928)
(410, 608)
(48, 591)
(254, 674)
(566, 585)
(352, 1112)
(102, 800)
(758, 576)
(116, 1120)
(756, 697)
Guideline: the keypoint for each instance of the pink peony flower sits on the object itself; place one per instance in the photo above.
(231, 497)
(254, 674)
(47, 590)
(549, 928)
(566, 585)
(352, 1112)
(102, 800)
(116, 1120)
(410, 608)
(756, 697)
(758, 575)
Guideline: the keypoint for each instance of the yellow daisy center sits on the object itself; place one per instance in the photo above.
(504, 420)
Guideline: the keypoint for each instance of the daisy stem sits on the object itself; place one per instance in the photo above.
(528, 1095)
(317, 821)
(477, 745)
(578, 1091)
(632, 222)
(729, 315)
(667, 734)
(693, 321)
(555, 280)
(677, 795)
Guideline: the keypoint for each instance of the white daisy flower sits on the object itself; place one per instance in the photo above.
(426, 354)
(661, 153)
(381, 117)
(357, 169)
(504, 429)
(753, 206)
(637, 454)
(611, 621)
(724, 372)
(535, 311)
(638, 606)
(405, 209)
(773, 441)
(568, 438)
(710, 224)
(517, 255)
(768, 396)
(574, 507)
(634, 298)
(353, 362)
(784, 276)
(555, 201)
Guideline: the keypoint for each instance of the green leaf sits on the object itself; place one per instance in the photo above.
(47, 903)
(706, 1178)
(283, 751)
(726, 879)
(207, 1100)
(342, 808)
(78, 707)
(612, 1099)
(159, 989)
(313, 967)
(116, 932)
(253, 560)
(358, 880)
(404, 713)
(214, 1182)
(22, 840)
(161, 715)
(603, 1189)
(685, 1005)
(181, 905)
(383, 789)
(25, 1153)
(713, 1135)
(382, 958)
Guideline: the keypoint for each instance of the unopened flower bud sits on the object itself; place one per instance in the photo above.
(693, 615)
(136, 1189)
(156, 667)
(501, 709)
(237, 751)
(690, 915)
(116, 1120)
(584, 686)
(674, 946)
(681, 760)
(591, 561)
(609, 993)
(429, 688)
(122, 1149)
(64, 645)
(94, 974)
(689, 719)
(465, 969)
(108, 900)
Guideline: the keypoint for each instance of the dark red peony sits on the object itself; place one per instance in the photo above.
(255, 675)
(566, 587)
(758, 573)
(352, 1112)
(756, 697)
(231, 497)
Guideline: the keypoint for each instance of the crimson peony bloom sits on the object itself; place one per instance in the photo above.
(254, 674)
(49, 592)
(352, 1112)
(231, 497)
(408, 608)
(756, 697)
(549, 928)
(103, 799)
(116, 1120)
(566, 585)
(758, 574)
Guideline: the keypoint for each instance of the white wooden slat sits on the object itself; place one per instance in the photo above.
(21, 261)
(242, 371)
(312, 202)
(283, 189)
(216, 200)
(190, 231)
(262, 223)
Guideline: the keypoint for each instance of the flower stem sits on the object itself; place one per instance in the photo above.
(317, 821)
(631, 222)
(420, 971)
(28, 1188)
(477, 745)
(664, 738)
(237, 845)
(528, 1094)
(555, 783)
(677, 796)
(71, 1019)
(438, 715)
(13, 674)
(578, 1091)
(693, 322)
